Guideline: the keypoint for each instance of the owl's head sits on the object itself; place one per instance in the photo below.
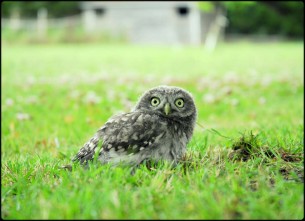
(169, 101)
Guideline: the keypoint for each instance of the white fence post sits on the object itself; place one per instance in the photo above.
(218, 23)
(42, 22)
(195, 26)
(89, 19)
(15, 22)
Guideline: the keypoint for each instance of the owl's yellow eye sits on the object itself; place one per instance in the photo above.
(155, 101)
(179, 102)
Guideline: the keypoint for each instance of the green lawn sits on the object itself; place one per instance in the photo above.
(54, 98)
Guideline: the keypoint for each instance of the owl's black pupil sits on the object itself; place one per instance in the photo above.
(179, 103)
(155, 101)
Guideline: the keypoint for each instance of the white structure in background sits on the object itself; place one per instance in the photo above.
(172, 22)
(42, 22)
(156, 22)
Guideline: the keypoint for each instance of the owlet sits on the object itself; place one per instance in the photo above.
(158, 128)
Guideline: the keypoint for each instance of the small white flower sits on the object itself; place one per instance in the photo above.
(74, 94)
(209, 98)
(234, 102)
(92, 98)
(9, 102)
(262, 100)
(226, 90)
(23, 116)
(32, 99)
(266, 81)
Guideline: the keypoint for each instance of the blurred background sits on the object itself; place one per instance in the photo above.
(170, 23)
(74, 64)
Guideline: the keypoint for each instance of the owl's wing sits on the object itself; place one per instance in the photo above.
(124, 134)
(87, 152)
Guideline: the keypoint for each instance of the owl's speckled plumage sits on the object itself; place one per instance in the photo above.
(159, 128)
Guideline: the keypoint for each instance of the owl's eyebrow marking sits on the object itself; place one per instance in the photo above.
(177, 96)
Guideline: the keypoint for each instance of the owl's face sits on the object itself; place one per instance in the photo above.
(168, 101)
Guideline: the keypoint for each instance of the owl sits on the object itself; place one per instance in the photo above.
(158, 128)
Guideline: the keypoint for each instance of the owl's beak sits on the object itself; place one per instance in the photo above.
(167, 109)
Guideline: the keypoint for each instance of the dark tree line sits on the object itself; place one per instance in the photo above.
(28, 9)
(266, 17)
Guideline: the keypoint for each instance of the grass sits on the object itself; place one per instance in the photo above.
(245, 160)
